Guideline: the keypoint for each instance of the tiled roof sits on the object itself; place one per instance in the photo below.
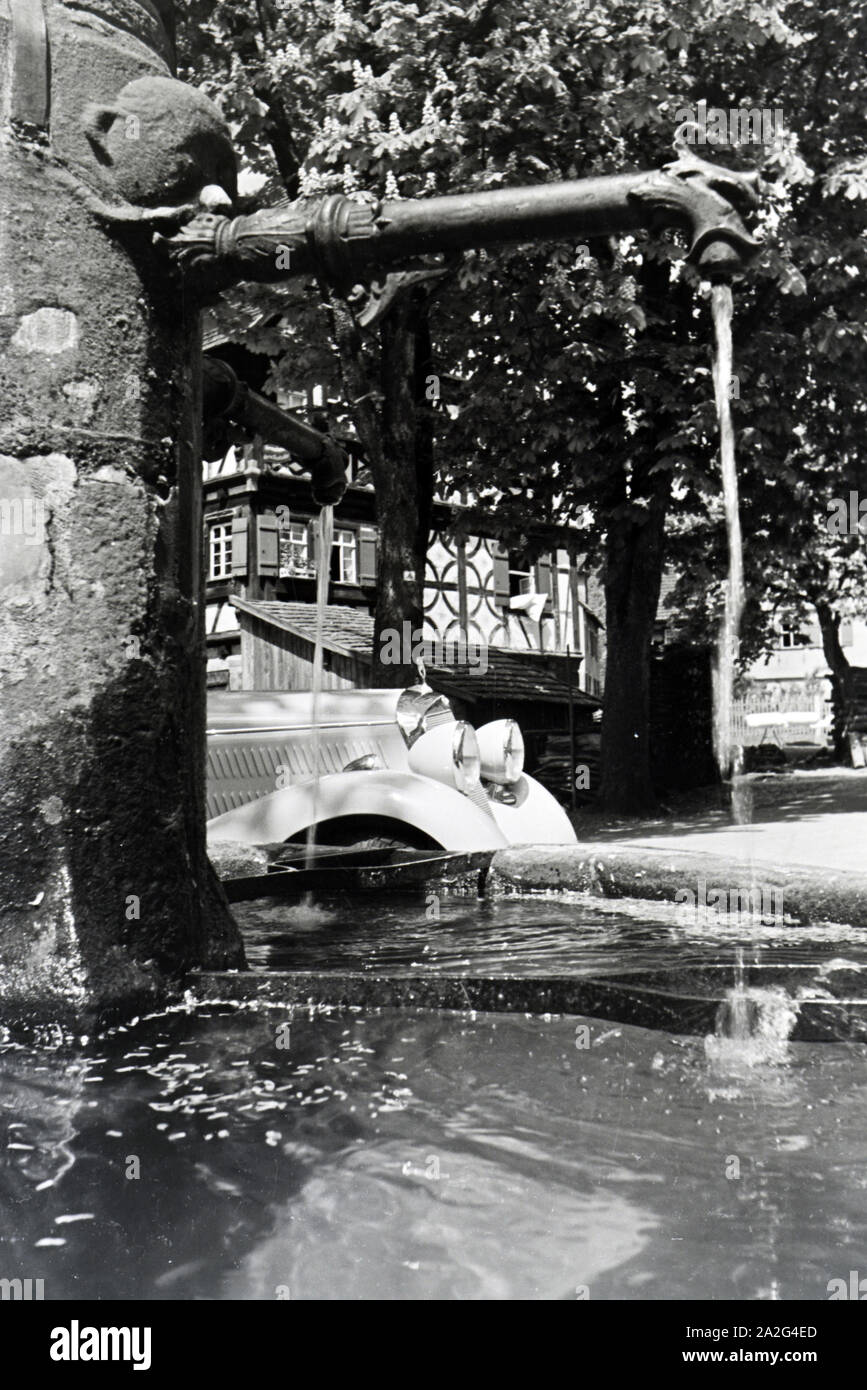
(508, 675)
(345, 630)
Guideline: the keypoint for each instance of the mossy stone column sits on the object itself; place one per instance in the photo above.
(105, 889)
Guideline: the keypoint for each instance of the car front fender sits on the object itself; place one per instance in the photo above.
(455, 822)
(536, 818)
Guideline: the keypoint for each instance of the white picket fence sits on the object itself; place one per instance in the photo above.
(798, 715)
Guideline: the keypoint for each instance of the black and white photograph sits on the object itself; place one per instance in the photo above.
(433, 666)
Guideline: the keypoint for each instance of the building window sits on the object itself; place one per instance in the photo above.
(344, 559)
(520, 582)
(296, 560)
(791, 635)
(357, 471)
(220, 550)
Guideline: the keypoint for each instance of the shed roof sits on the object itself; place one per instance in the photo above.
(503, 674)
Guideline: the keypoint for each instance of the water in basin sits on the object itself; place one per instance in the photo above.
(219, 1151)
(430, 934)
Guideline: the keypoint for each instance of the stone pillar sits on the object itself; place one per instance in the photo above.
(105, 888)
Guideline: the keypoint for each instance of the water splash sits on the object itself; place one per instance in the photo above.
(729, 637)
(306, 915)
(753, 1026)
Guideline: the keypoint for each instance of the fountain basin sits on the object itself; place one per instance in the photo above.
(809, 895)
(684, 1001)
(408, 1155)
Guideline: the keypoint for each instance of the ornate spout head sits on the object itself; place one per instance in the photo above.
(714, 201)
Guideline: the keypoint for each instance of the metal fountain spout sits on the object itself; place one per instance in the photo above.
(225, 396)
(369, 250)
(719, 251)
(356, 244)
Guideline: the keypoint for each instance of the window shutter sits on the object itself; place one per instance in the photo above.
(500, 558)
(846, 638)
(239, 546)
(367, 555)
(267, 545)
(810, 636)
(544, 578)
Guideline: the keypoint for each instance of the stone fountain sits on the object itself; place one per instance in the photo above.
(116, 192)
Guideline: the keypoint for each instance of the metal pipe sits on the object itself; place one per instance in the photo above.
(548, 211)
(225, 394)
(348, 241)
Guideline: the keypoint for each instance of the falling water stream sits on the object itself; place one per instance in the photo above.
(324, 542)
(728, 642)
(754, 1026)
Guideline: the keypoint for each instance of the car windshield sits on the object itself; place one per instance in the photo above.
(420, 709)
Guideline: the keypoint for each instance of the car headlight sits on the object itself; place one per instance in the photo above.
(450, 754)
(501, 748)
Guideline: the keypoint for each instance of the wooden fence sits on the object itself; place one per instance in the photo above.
(782, 712)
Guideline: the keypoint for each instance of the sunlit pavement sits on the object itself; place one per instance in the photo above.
(799, 818)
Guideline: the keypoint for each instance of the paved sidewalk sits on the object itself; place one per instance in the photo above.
(806, 818)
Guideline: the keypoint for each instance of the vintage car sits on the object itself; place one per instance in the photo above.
(394, 766)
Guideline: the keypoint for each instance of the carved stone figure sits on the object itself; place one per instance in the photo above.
(161, 142)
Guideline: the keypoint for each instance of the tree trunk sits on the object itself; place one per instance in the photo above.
(841, 673)
(105, 887)
(398, 443)
(634, 559)
(634, 555)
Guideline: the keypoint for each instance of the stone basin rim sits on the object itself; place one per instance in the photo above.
(608, 999)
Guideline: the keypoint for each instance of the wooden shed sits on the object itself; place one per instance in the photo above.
(278, 639)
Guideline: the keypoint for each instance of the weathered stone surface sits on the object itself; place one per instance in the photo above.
(47, 330)
(106, 892)
(808, 895)
(161, 142)
(234, 860)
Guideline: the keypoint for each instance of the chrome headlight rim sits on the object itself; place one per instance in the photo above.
(502, 752)
(466, 758)
(449, 754)
(513, 752)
